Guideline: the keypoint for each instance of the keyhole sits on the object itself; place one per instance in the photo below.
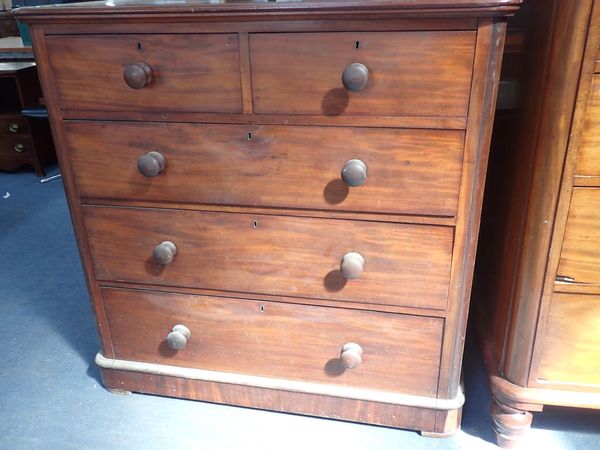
(249, 136)
(357, 45)
(139, 47)
(255, 224)
(261, 308)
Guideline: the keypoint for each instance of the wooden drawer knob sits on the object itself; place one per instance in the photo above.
(164, 253)
(13, 127)
(351, 355)
(352, 265)
(354, 172)
(19, 148)
(151, 164)
(178, 337)
(137, 75)
(355, 77)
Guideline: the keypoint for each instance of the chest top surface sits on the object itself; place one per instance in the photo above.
(233, 8)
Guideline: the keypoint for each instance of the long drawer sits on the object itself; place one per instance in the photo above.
(183, 72)
(420, 73)
(291, 256)
(408, 171)
(297, 342)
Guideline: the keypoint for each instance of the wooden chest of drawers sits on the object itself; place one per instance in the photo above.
(23, 141)
(277, 203)
(537, 283)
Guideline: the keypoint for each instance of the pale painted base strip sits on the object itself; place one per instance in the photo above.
(283, 384)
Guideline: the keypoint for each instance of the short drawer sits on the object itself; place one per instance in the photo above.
(588, 158)
(11, 126)
(580, 254)
(407, 171)
(284, 341)
(265, 254)
(571, 343)
(192, 72)
(419, 73)
(15, 146)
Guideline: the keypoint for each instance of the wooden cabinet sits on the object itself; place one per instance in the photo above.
(538, 269)
(23, 141)
(277, 203)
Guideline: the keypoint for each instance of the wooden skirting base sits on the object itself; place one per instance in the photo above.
(429, 421)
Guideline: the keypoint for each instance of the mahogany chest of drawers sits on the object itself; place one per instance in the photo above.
(277, 203)
(23, 140)
(537, 283)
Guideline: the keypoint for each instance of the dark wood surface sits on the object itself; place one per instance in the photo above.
(404, 264)
(409, 171)
(403, 80)
(417, 232)
(23, 141)
(393, 415)
(235, 8)
(276, 340)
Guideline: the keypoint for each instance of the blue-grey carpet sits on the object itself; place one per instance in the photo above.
(51, 396)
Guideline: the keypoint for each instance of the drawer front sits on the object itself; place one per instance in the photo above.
(580, 254)
(422, 73)
(297, 342)
(571, 345)
(15, 146)
(13, 126)
(588, 159)
(408, 171)
(292, 256)
(192, 72)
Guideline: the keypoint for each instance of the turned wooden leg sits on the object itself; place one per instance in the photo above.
(510, 424)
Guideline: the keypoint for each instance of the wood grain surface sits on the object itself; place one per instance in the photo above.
(275, 400)
(571, 347)
(270, 339)
(406, 265)
(409, 171)
(194, 72)
(588, 159)
(410, 73)
(580, 255)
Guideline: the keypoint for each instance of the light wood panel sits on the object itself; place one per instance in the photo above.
(571, 347)
(588, 159)
(580, 255)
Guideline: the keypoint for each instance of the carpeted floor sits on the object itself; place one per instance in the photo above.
(51, 396)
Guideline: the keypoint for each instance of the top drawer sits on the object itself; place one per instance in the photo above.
(193, 72)
(423, 73)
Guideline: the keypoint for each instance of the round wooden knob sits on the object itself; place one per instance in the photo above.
(164, 253)
(355, 77)
(13, 127)
(352, 265)
(351, 355)
(18, 148)
(137, 75)
(151, 164)
(178, 337)
(354, 172)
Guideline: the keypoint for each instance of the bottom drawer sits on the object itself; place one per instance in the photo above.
(277, 340)
(571, 348)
